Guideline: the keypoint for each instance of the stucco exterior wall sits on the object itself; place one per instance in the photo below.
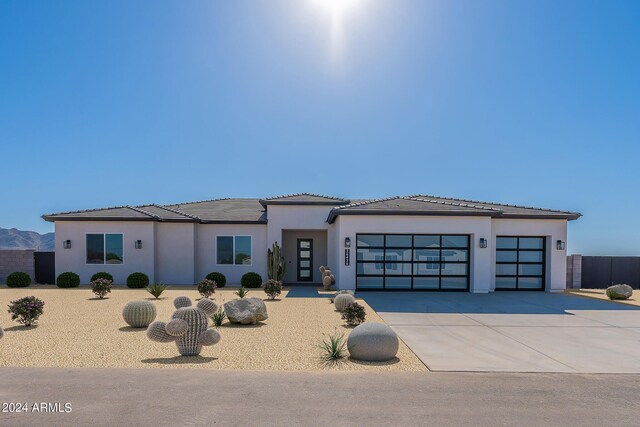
(477, 227)
(206, 250)
(74, 259)
(553, 230)
(175, 253)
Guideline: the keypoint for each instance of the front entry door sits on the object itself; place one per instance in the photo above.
(305, 260)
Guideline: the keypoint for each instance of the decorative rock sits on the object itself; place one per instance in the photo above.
(619, 291)
(139, 314)
(373, 342)
(342, 301)
(246, 311)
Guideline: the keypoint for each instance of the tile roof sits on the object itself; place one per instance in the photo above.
(254, 211)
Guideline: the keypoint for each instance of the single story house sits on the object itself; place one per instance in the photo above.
(414, 242)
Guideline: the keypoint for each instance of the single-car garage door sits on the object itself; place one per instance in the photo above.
(428, 262)
(520, 263)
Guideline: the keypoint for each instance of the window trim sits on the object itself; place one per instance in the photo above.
(104, 247)
(413, 262)
(233, 236)
(517, 263)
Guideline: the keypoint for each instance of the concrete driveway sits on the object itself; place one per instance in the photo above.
(513, 331)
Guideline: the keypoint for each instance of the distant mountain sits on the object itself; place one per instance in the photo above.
(12, 238)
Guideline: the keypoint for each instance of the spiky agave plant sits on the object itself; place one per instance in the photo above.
(242, 292)
(333, 346)
(157, 289)
(218, 317)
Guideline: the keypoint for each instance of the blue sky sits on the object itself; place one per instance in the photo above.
(130, 102)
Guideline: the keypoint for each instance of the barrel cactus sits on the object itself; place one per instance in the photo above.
(188, 327)
(341, 301)
(344, 291)
(139, 314)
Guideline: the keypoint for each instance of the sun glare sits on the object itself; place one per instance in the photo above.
(338, 11)
(337, 8)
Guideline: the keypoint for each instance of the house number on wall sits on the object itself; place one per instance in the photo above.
(347, 256)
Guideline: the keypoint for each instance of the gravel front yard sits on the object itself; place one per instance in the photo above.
(77, 330)
(600, 294)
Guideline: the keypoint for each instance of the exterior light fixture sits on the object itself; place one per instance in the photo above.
(347, 242)
(138, 244)
(483, 243)
(66, 244)
(560, 245)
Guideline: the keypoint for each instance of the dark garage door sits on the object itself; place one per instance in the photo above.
(425, 262)
(520, 263)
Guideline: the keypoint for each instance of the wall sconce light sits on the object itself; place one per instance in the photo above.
(483, 243)
(138, 244)
(347, 242)
(560, 245)
(66, 244)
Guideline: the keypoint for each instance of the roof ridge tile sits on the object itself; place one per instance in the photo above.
(498, 204)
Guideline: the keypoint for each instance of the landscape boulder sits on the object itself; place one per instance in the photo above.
(619, 291)
(246, 311)
(373, 342)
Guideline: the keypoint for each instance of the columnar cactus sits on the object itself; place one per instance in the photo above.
(341, 301)
(139, 314)
(188, 327)
(276, 266)
(328, 280)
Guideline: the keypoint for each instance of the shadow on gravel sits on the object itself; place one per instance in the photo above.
(132, 329)
(180, 360)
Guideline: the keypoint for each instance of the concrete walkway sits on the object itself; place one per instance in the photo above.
(171, 397)
(514, 331)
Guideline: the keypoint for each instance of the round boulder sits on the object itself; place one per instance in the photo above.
(373, 342)
(246, 311)
(619, 291)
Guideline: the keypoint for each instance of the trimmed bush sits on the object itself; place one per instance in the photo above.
(219, 278)
(26, 310)
(68, 279)
(18, 280)
(251, 280)
(273, 288)
(137, 280)
(207, 287)
(102, 275)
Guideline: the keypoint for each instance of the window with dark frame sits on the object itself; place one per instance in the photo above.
(412, 261)
(104, 248)
(234, 250)
(520, 262)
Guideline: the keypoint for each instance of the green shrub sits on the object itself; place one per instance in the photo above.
(26, 310)
(102, 275)
(219, 278)
(354, 314)
(18, 280)
(68, 279)
(242, 292)
(137, 280)
(207, 287)
(611, 293)
(251, 280)
(333, 347)
(218, 317)
(101, 287)
(273, 288)
(157, 289)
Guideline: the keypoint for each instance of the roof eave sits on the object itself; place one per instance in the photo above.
(302, 203)
(334, 213)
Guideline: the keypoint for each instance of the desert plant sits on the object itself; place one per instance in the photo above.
(219, 278)
(68, 279)
(251, 280)
(157, 289)
(26, 310)
(341, 301)
(18, 280)
(207, 287)
(139, 314)
(137, 280)
(611, 293)
(101, 287)
(218, 317)
(273, 288)
(354, 314)
(333, 346)
(242, 292)
(102, 275)
(276, 266)
(188, 327)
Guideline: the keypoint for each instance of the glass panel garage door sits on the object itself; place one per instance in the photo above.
(412, 262)
(520, 263)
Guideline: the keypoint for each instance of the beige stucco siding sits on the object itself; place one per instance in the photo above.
(174, 254)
